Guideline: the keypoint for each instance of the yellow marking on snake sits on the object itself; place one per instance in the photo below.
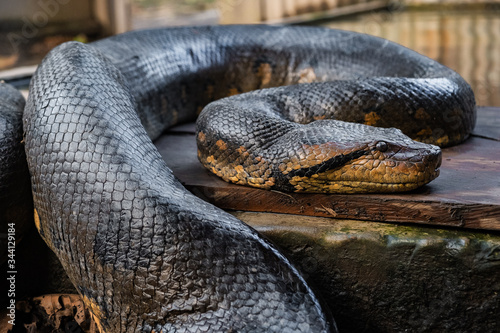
(201, 137)
(211, 159)
(243, 152)
(38, 226)
(443, 140)
(95, 311)
(221, 145)
(37, 220)
(240, 170)
(421, 114)
(264, 73)
(307, 75)
(425, 132)
(233, 91)
(371, 118)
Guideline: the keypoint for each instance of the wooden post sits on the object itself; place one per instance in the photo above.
(302, 6)
(494, 48)
(289, 7)
(273, 10)
(239, 11)
(315, 5)
(120, 10)
(330, 4)
(113, 15)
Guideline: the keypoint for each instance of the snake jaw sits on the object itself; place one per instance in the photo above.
(411, 165)
(387, 162)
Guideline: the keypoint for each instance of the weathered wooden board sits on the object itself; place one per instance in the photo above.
(488, 123)
(466, 194)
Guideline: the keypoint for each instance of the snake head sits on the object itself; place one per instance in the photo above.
(355, 158)
(397, 163)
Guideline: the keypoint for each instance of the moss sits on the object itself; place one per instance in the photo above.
(392, 278)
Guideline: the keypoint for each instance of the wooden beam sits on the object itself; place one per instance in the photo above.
(465, 195)
(339, 10)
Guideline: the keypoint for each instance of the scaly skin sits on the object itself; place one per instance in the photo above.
(325, 156)
(143, 252)
(368, 80)
(16, 205)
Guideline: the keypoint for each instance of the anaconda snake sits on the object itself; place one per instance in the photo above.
(147, 255)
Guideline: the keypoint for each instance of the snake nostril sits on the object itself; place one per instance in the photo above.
(381, 146)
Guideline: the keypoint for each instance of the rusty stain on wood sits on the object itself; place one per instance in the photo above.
(327, 210)
(465, 195)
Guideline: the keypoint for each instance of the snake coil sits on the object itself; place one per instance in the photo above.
(144, 253)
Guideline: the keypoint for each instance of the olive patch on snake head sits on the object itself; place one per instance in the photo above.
(380, 160)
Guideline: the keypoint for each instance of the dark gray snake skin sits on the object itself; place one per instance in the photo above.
(16, 205)
(143, 252)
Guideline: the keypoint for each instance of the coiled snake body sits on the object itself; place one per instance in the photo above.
(147, 255)
(16, 205)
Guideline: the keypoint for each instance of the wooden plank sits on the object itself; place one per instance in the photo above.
(121, 18)
(488, 123)
(465, 195)
(18, 72)
(304, 17)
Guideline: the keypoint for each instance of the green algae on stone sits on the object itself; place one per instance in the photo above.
(380, 277)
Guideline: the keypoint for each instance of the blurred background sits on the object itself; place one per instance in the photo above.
(462, 34)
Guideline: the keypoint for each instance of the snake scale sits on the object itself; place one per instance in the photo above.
(144, 253)
(16, 205)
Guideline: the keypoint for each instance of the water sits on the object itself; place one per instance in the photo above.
(467, 41)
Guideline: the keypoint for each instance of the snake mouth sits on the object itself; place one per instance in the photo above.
(360, 186)
(329, 185)
(399, 169)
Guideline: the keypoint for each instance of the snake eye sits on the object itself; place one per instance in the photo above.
(381, 146)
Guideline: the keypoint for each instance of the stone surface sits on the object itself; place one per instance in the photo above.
(380, 277)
